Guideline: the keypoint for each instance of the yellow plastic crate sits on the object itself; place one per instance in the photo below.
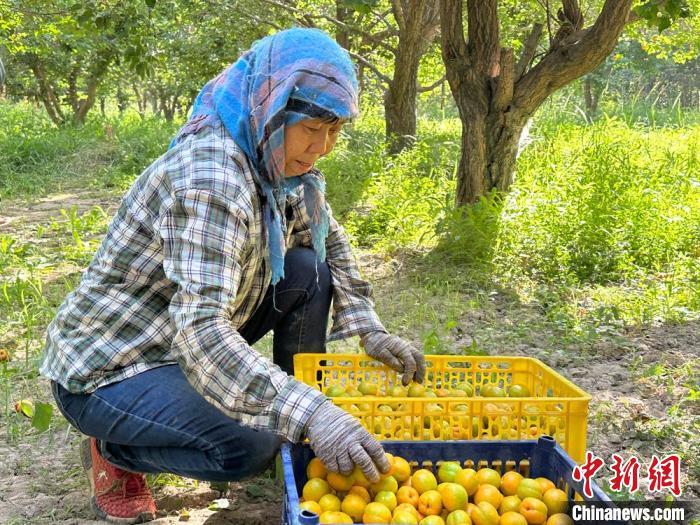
(558, 407)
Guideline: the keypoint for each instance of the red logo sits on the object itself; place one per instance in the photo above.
(586, 471)
(665, 474)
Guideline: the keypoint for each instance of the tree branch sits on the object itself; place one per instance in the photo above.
(572, 13)
(483, 40)
(565, 63)
(367, 63)
(503, 84)
(454, 47)
(382, 18)
(397, 9)
(423, 89)
(529, 50)
(257, 19)
(309, 18)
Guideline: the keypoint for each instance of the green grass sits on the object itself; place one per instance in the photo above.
(37, 158)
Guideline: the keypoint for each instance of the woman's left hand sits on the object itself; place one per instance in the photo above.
(396, 353)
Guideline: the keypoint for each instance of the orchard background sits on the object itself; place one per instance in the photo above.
(524, 180)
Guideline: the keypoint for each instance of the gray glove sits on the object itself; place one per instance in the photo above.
(340, 442)
(395, 353)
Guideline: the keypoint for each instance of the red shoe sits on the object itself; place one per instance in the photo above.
(116, 495)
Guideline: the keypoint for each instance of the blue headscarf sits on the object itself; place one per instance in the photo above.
(284, 78)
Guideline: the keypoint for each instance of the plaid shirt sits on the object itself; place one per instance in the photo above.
(181, 268)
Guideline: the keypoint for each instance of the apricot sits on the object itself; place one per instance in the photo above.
(334, 517)
(454, 496)
(510, 481)
(360, 491)
(404, 517)
(468, 479)
(406, 507)
(389, 484)
(329, 502)
(483, 514)
(354, 506)
(376, 513)
(529, 488)
(423, 480)
(316, 469)
(534, 511)
(359, 478)
(560, 519)
(556, 500)
(509, 503)
(339, 482)
(401, 469)
(488, 476)
(430, 503)
(545, 484)
(407, 495)
(314, 489)
(448, 470)
(311, 506)
(388, 499)
(513, 518)
(488, 493)
(458, 517)
(432, 520)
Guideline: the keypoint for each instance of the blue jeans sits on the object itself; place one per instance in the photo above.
(157, 422)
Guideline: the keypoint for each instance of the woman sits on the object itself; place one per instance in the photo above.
(225, 237)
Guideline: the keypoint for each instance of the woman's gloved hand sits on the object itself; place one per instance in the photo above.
(396, 353)
(340, 442)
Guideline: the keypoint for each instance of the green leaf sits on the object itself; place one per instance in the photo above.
(673, 8)
(42, 416)
(151, 3)
(361, 6)
(26, 407)
(647, 11)
(663, 23)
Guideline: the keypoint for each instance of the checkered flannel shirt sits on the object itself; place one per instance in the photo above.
(182, 267)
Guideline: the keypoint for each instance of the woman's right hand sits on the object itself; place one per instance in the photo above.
(340, 442)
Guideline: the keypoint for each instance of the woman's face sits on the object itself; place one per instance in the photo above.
(307, 141)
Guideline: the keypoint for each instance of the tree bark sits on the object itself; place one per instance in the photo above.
(140, 101)
(591, 96)
(46, 93)
(86, 103)
(341, 35)
(418, 21)
(496, 95)
(400, 99)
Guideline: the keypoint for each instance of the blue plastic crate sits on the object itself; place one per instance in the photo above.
(536, 458)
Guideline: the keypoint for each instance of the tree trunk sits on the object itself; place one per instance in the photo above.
(86, 104)
(496, 97)
(154, 103)
(73, 87)
(591, 96)
(418, 22)
(490, 138)
(46, 93)
(341, 14)
(400, 98)
(140, 101)
(122, 100)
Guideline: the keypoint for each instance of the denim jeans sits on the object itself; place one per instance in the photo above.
(157, 422)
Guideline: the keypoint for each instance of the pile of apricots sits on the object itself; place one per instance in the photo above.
(451, 495)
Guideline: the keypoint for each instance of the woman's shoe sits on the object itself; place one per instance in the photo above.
(116, 495)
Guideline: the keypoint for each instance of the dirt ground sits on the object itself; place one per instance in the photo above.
(41, 480)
